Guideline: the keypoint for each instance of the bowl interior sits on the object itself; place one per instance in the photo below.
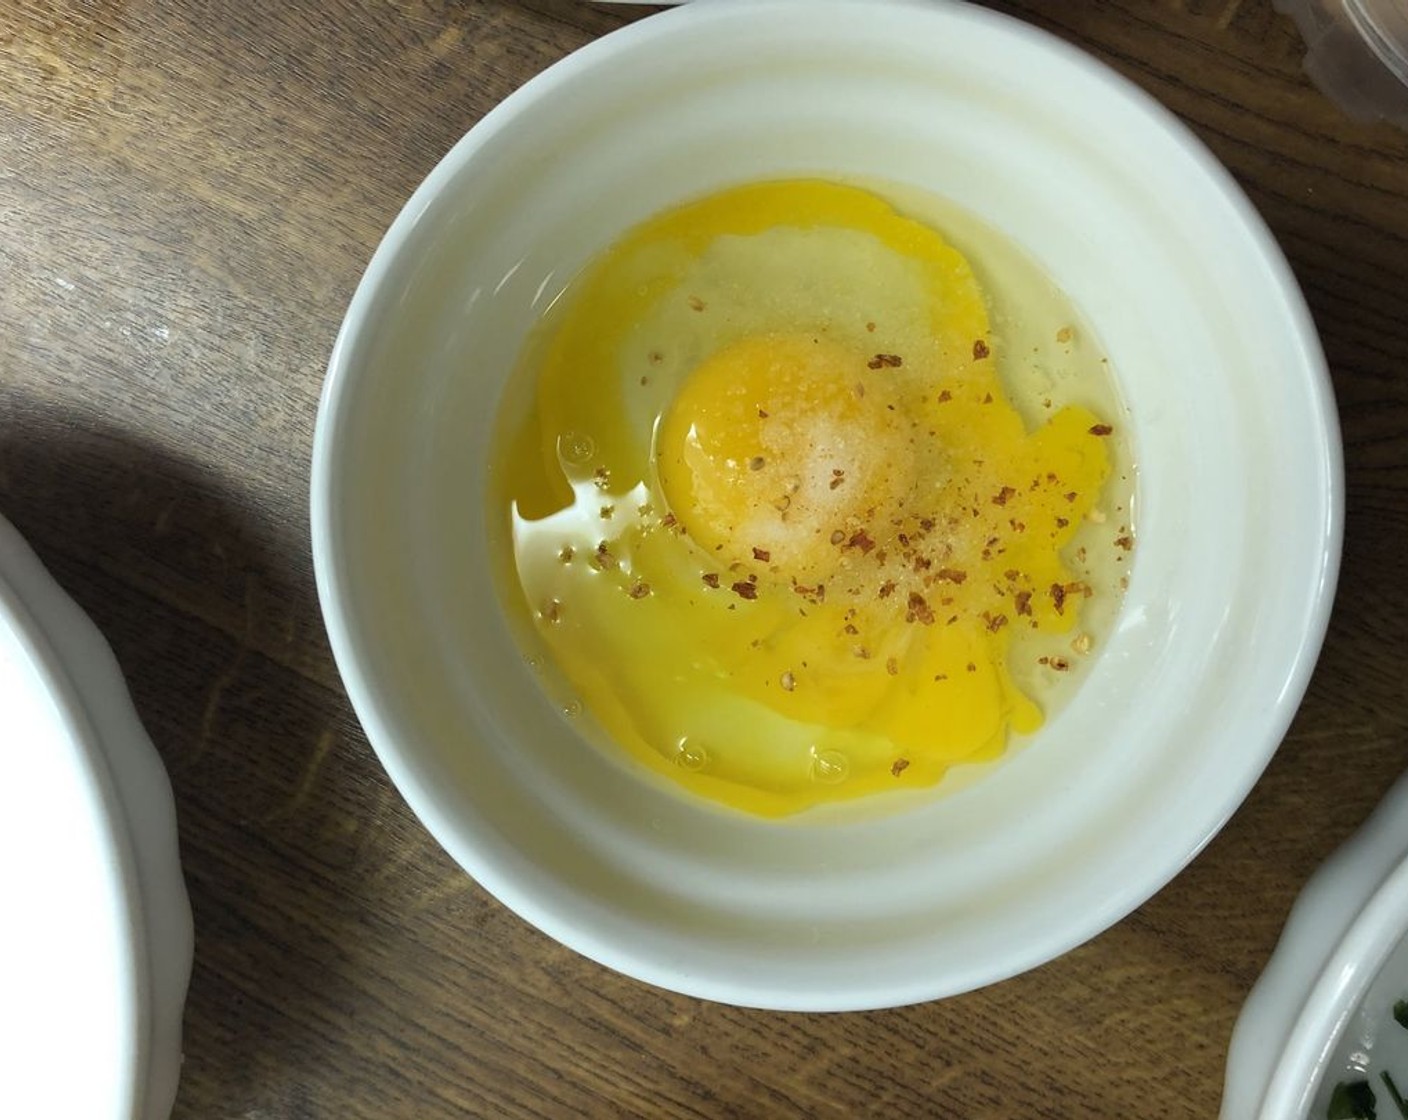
(1238, 489)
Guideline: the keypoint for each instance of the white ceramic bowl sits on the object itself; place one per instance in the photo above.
(95, 948)
(1239, 523)
(1322, 1011)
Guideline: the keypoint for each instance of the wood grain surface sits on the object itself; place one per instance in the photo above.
(189, 190)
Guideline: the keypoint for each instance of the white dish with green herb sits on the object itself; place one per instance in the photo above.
(1324, 1033)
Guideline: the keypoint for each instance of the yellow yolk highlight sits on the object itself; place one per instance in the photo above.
(771, 446)
(781, 536)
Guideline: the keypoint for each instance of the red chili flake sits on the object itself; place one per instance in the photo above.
(899, 766)
(886, 589)
(885, 361)
(919, 610)
(1101, 429)
(745, 590)
(850, 628)
(995, 622)
(921, 563)
(711, 578)
(860, 539)
(1125, 543)
(1012, 574)
(668, 520)
(980, 350)
(1023, 599)
(837, 480)
(1001, 497)
(944, 396)
(1061, 522)
(1070, 496)
(762, 414)
(602, 560)
(926, 523)
(972, 668)
(951, 575)
(762, 554)
(1058, 597)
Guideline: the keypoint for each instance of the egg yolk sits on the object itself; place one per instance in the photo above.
(772, 445)
(780, 532)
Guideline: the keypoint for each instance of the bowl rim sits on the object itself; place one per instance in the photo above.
(125, 786)
(1343, 926)
(495, 872)
(1350, 970)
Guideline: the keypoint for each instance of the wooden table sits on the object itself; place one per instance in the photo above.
(189, 190)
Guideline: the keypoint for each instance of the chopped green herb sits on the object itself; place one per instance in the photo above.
(1394, 1093)
(1352, 1100)
(1400, 1012)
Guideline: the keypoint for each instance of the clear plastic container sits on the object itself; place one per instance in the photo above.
(1357, 53)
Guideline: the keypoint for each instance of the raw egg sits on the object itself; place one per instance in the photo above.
(773, 512)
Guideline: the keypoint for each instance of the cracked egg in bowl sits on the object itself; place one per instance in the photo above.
(804, 512)
(827, 533)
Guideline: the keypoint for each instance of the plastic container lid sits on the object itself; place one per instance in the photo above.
(1357, 53)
